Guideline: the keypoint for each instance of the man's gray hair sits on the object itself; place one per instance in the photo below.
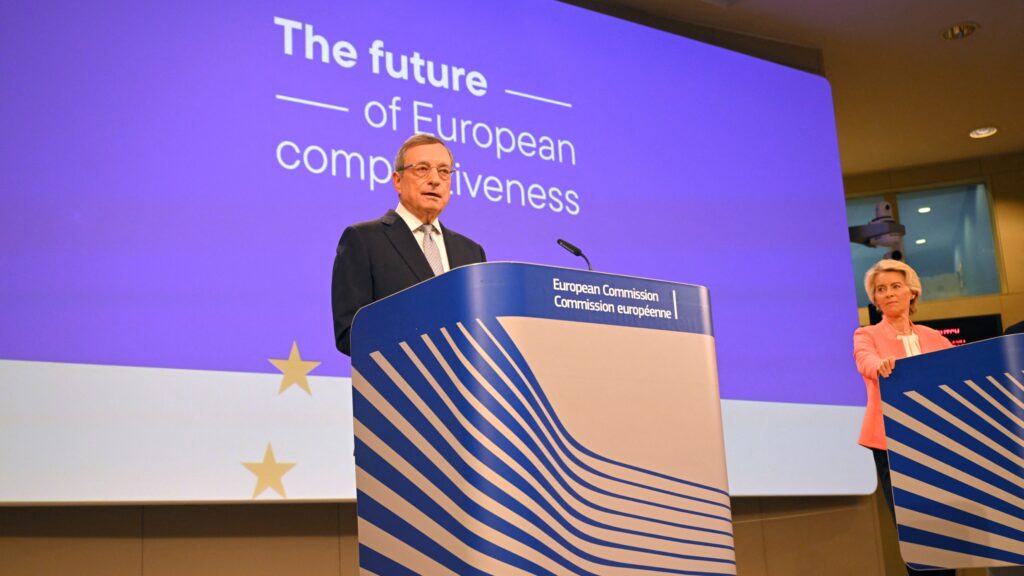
(419, 140)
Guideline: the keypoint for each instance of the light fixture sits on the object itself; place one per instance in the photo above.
(960, 30)
(983, 132)
(924, 209)
(920, 241)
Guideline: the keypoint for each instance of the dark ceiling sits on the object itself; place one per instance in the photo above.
(903, 95)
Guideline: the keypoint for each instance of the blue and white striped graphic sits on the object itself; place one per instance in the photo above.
(464, 466)
(954, 423)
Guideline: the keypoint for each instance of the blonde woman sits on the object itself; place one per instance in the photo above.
(894, 288)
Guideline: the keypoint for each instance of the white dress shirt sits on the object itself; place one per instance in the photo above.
(911, 344)
(414, 225)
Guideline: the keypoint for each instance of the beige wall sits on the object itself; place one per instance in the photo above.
(1004, 176)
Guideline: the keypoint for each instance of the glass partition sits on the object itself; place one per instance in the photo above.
(948, 241)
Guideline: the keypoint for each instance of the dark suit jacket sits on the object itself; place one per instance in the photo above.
(380, 257)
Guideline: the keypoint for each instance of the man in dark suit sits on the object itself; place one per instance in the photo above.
(405, 246)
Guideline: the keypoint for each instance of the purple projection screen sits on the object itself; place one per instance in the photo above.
(176, 176)
(168, 205)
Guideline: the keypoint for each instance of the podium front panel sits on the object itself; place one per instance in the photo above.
(954, 424)
(523, 419)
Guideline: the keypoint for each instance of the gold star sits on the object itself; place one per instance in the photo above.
(269, 472)
(295, 370)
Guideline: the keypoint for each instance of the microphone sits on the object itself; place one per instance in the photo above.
(575, 252)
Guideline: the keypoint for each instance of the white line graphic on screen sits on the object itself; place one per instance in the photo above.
(538, 98)
(311, 103)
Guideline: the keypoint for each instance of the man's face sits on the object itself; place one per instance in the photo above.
(425, 196)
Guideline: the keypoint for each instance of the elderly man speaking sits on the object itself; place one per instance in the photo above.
(405, 246)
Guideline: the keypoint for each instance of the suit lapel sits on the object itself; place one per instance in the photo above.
(456, 256)
(405, 244)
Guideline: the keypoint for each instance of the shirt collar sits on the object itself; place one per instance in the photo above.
(411, 220)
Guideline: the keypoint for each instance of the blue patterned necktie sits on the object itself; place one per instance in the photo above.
(430, 249)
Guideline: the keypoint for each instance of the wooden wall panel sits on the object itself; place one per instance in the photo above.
(257, 539)
(79, 540)
(790, 536)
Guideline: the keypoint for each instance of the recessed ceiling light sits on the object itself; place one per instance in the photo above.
(960, 30)
(920, 241)
(924, 209)
(984, 132)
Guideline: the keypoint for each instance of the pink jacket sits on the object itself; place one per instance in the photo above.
(870, 345)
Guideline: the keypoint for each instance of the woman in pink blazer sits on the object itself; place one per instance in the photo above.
(894, 288)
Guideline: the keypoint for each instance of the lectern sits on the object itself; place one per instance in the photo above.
(522, 419)
(954, 424)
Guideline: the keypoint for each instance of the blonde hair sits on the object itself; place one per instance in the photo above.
(909, 276)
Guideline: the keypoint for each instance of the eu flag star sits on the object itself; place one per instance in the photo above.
(295, 370)
(269, 473)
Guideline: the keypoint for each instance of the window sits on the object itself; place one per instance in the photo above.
(957, 255)
(948, 240)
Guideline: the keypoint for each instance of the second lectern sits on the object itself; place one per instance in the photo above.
(954, 426)
(523, 419)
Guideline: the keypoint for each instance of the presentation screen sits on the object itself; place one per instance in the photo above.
(176, 178)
